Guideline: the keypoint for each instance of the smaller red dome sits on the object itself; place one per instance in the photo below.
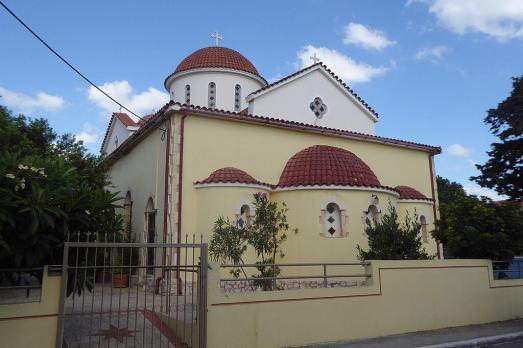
(327, 165)
(407, 192)
(230, 175)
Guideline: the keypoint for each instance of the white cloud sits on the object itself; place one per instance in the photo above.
(475, 189)
(410, 2)
(500, 19)
(366, 37)
(434, 53)
(27, 103)
(343, 66)
(89, 134)
(458, 150)
(141, 103)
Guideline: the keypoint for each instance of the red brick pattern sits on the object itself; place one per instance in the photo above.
(216, 57)
(125, 119)
(407, 192)
(230, 175)
(327, 165)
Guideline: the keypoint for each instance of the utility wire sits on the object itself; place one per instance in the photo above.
(69, 64)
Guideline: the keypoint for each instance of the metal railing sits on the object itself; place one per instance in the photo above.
(133, 294)
(20, 285)
(511, 269)
(272, 276)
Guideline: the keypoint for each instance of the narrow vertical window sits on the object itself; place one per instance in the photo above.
(423, 223)
(188, 94)
(237, 97)
(373, 215)
(211, 103)
(245, 216)
(332, 221)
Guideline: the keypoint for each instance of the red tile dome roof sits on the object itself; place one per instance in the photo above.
(230, 175)
(407, 192)
(327, 165)
(216, 57)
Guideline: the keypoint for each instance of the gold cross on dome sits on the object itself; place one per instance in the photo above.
(217, 37)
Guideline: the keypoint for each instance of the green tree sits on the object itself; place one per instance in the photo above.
(265, 234)
(476, 227)
(390, 240)
(50, 189)
(504, 169)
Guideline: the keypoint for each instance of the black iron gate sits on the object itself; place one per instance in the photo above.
(112, 296)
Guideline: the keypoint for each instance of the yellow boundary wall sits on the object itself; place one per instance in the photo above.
(401, 296)
(32, 324)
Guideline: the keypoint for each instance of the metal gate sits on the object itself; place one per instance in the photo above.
(112, 297)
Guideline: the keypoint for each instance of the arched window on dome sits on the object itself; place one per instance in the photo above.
(237, 97)
(188, 94)
(373, 215)
(332, 220)
(244, 216)
(424, 234)
(211, 103)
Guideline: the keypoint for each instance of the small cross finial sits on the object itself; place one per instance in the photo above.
(217, 37)
(314, 58)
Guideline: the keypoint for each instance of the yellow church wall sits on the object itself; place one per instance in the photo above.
(420, 208)
(309, 244)
(220, 201)
(401, 297)
(142, 171)
(262, 152)
(32, 324)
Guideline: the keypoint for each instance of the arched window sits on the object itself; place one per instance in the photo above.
(373, 215)
(244, 218)
(237, 97)
(211, 103)
(128, 216)
(187, 94)
(332, 223)
(150, 229)
(423, 223)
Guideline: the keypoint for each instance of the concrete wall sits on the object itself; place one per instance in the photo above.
(290, 101)
(32, 324)
(402, 296)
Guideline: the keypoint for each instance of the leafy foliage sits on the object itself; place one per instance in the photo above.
(476, 227)
(50, 189)
(265, 234)
(504, 169)
(390, 240)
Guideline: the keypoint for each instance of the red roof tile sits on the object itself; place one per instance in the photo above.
(407, 192)
(269, 121)
(327, 165)
(230, 175)
(125, 119)
(216, 57)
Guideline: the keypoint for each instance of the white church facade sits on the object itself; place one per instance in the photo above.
(307, 140)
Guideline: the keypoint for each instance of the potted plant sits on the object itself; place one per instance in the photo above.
(120, 276)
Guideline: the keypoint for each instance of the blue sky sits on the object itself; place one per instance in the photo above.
(431, 68)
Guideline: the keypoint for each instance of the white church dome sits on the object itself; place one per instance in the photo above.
(214, 77)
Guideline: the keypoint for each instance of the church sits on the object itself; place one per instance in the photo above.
(307, 140)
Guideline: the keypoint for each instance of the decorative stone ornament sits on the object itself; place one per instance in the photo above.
(318, 107)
